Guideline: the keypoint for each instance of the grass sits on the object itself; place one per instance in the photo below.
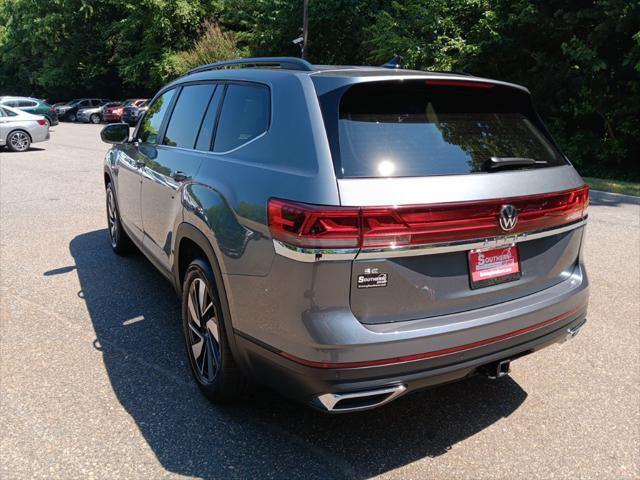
(615, 186)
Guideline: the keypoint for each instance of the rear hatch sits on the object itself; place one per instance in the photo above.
(464, 199)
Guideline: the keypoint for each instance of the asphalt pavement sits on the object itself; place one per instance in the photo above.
(94, 381)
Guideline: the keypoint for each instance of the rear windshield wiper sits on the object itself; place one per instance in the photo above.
(513, 162)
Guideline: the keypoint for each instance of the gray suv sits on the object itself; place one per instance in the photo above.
(350, 234)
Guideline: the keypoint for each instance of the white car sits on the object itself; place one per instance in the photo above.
(18, 129)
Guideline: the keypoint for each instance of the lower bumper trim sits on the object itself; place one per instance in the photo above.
(435, 353)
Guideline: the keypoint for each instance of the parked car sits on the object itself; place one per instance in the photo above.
(132, 113)
(32, 105)
(69, 111)
(114, 114)
(350, 234)
(19, 129)
(94, 114)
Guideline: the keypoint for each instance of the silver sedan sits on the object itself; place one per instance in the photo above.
(18, 129)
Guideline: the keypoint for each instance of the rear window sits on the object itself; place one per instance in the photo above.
(415, 128)
(245, 115)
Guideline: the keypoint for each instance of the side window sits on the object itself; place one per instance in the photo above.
(1, 112)
(12, 103)
(245, 115)
(208, 122)
(152, 121)
(30, 104)
(9, 113)
(187, 115)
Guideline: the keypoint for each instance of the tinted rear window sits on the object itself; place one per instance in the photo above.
(411, 128)
(245, 115)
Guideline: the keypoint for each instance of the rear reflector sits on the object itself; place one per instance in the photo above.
(311, 226)
(41, 122)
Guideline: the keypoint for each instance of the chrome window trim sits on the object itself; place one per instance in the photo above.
(311, 255)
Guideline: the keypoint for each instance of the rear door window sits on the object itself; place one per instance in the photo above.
(418, 128)
(187, 115)
(150, 126)
(245, 115)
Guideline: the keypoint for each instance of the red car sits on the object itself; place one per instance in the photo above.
(114, 113)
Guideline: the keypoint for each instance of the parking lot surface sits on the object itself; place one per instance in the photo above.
(94, 382)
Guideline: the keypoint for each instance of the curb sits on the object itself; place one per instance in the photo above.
(614, 197)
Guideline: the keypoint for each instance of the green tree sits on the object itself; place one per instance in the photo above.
(212, 46)
(336, 27)
(580, 60)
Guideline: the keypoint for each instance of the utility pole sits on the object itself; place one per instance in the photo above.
(305, 28)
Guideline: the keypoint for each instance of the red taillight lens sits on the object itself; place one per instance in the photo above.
(311, 226)
(41, 122)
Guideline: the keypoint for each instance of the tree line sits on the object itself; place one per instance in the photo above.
(579, 58)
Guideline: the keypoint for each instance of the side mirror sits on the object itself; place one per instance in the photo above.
(115, 133)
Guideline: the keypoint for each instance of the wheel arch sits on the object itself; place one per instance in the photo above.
(20, 129)
(189, 244)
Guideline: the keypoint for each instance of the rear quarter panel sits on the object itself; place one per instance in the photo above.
(228, 199)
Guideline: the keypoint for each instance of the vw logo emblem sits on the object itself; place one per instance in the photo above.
(508, 217)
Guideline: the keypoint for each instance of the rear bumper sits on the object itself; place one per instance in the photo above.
(341, 355)
(316, 385)
(109, 117)
(40, 134)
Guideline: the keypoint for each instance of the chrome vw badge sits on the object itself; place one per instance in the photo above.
(508, 217)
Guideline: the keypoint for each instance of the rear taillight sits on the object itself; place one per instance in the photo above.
(41, 122)
(312, 226)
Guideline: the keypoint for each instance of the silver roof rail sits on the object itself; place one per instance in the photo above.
(288, 63)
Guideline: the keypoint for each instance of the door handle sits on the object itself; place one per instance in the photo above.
(179, 176)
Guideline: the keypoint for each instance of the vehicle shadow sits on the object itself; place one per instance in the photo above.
(30, 149)
(136, 317)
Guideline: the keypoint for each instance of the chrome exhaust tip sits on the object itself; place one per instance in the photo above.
(356, 401)
(496, 370)
(573, 331)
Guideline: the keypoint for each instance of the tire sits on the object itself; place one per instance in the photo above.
(72, 117)
(118, 238)
(19, 141)
(94, 118)
(212, 364)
